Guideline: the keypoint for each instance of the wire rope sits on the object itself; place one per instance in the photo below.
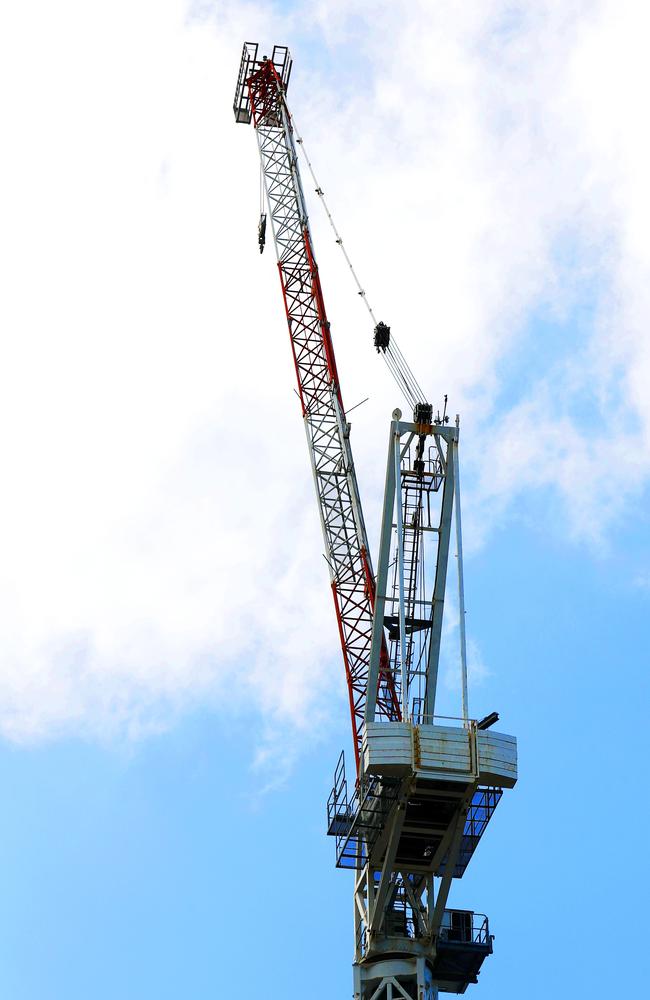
(261, 190)
(395, 360)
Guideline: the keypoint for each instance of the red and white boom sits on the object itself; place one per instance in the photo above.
(260, 98)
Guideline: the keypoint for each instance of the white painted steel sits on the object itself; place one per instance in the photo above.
(452, 753)
(497, 758)
(461, 582)
(382, 573)
(438, 597)
(400, 571)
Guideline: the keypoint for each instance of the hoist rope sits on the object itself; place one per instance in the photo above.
(395, 360)
(261, 190)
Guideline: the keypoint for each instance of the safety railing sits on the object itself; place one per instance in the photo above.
(464, 927)
(418, 718)
(356, 817)
(480, 811)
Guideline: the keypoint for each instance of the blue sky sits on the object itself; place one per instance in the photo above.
(172, 702)
(160, 870)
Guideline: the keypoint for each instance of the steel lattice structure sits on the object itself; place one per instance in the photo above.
(261, 94)
(426, 786)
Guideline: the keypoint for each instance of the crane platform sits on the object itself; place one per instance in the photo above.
(453, 957)
(463, 943)
(440, 775)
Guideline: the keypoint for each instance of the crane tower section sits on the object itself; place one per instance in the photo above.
(260, 98)
(425, 786)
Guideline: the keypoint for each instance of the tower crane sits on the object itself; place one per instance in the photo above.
(424, 786)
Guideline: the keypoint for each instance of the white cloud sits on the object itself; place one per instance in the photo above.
(159, 536)
(143, 481)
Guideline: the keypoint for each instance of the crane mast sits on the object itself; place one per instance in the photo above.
(425, 786)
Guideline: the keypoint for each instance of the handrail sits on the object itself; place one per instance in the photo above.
(430, 720)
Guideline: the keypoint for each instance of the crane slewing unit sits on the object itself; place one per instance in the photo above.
(425, 786)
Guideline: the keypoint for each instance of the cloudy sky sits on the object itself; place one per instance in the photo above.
(171, 695)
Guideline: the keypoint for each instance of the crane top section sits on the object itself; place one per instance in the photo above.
(250, 64)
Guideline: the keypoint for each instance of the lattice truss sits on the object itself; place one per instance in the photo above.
(352, 579)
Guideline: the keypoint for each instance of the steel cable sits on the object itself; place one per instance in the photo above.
(395, 360)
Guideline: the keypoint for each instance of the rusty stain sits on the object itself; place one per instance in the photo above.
(417, 755)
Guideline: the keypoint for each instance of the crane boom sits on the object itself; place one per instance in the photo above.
(261, 98)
